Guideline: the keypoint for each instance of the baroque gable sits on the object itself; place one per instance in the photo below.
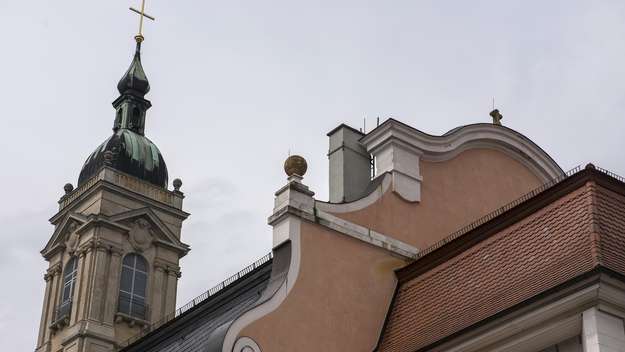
(65, 234)
(145, 228)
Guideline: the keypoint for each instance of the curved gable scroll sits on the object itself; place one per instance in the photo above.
(398, 148)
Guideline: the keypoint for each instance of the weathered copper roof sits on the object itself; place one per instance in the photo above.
(134, 80)
(131, 153)
(128, 150)
(568, 230)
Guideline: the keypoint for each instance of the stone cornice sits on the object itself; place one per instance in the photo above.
(54, 270)
(344, 227)
(104, 180)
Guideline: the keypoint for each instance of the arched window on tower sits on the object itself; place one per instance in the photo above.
(69, 282)
(132, 288)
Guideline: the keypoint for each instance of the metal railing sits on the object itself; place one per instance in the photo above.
(611, 174)
(197, 300)
(62, 313)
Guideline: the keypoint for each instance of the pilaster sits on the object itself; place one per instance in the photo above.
(172, 283)
(110, 306)
(79, 298)
(45, 309)
(293, 202)
(55, 298)
(159, 293)
(402, 161)
(602, 332)
(51, 278)
(98, 292)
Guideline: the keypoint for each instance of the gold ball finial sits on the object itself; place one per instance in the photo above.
(295, 165)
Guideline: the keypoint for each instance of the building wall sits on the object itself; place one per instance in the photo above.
(116, 223)
(339, 300)
(454, 193)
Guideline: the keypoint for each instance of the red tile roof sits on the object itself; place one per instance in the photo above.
(563, 232)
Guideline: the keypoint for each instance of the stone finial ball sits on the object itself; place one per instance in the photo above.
(68, 188)
(295, 165)
(177, 184)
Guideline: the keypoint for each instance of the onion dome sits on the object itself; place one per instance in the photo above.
(130, 153)
(128, 150)
(134, 80)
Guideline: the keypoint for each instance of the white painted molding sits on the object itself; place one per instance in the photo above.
(285, 229)
(483, 135)
(545, 322)
(402, 161)
(537, 329)
(358, 204)
(246, 344)
(602, 331)
(271, 304)
(367, 235)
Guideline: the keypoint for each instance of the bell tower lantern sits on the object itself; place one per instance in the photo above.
(115, 250)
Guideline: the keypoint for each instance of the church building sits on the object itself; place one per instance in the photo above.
(474, 240)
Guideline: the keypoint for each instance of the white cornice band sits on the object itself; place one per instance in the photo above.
(398, 148)
(439, 148)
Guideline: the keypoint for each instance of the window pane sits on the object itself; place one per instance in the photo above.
(70, 270)
(140, 283)
(141, 265)
(138, 307)
(67, 293)
(132, 286)
(126, 280)
(129, 260)
(70, 266)
(124, 303)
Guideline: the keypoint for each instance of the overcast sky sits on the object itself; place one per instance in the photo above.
(237, 84)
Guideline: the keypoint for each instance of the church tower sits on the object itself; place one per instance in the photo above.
(115, 250)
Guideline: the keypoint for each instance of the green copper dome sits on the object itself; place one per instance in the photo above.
(131, 153)
(128, 149)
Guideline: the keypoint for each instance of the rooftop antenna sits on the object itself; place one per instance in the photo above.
(378, 122)
(364, 125)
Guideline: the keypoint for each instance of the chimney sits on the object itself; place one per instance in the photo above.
(350, 165)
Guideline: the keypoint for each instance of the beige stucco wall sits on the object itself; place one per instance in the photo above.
(454, 193)
(339, 300)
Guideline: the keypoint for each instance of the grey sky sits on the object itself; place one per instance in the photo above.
(236, 84)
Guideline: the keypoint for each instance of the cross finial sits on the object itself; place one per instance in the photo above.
(139, 37)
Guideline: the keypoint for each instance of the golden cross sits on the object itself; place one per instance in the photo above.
(142, 14)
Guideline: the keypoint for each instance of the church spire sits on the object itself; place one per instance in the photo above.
(135, 82)
(131, 106)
